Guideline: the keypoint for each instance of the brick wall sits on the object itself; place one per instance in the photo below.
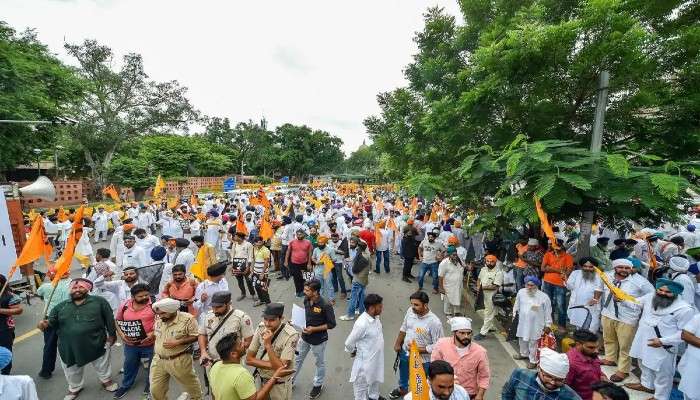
(67, 193)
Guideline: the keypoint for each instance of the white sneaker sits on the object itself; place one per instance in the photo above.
(346, 318)
(183, 396)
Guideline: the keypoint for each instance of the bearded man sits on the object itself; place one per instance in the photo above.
(535, 316)
(586, 288)
(664, 314)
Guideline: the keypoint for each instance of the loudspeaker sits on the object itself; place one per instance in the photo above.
(42, 188)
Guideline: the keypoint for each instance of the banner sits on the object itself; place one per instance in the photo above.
(417, 381)
(132, 329)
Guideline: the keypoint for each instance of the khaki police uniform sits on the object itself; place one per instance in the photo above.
(284, 346)
(239, 322)
(175, 362)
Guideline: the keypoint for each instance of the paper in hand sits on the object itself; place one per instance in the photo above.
(298, 316)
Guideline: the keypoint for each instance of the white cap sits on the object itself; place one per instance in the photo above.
(460, 323)
(679, 264)
(622, 262)
(553, 363)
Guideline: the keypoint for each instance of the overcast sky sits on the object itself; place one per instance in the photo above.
(319, 63)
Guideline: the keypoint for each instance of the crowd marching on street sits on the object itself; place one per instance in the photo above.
(157, 285)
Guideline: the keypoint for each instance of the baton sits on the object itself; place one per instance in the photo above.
(396, 362)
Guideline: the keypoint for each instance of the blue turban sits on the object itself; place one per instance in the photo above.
(451, 249)
(636, 263)
(691, 228)
(533, 279)
(675, 287)
(694, 269)
(5, 357)
(447, 228)
(214, 214)
(158, 253)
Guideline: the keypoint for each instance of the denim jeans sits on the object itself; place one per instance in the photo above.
(519, 275)
(337, 278)
(50, 348)
(132, 360)
(557, 294)
(319, 351)
(385, 255)
(357, 299)
(284, 269)
(403, 369)
(326, 282)
(433, 268)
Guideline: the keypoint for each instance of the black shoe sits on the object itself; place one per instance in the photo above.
(395, 394)
(411, 276)
(45, 375)
(407, 279)
(479, 336)
(279, 278)
(315, 392)
(240, 298)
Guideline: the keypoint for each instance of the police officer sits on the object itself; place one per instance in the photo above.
(221, 320)
(274, 344)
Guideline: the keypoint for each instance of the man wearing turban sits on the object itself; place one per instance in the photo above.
(678, 272)
(490, 279)
(534, 311)
(549, 382)
(451, 276)
(658, 336)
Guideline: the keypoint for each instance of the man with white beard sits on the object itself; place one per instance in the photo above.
(534, 310)
(678, 272)
(656, 342)
(586, 289)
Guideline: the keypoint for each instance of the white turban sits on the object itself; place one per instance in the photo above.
(460, 323)
(679, 264)
(553, 363)
(167, 305)
(533, 242)
(620, 262)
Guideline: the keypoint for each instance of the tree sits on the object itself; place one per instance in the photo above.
(121, 105)
(304, 151)
(171, 156)
(34, 85)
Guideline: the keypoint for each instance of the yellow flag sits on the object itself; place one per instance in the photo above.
(327, 264)
(160, 185)
(417, 381)
(202, 262)
(616, 291)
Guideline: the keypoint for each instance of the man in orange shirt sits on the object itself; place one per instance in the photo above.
(181, 288)
(556, 266)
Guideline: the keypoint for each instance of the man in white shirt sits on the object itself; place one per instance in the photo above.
(383, 247)
(144, 219)
(146, 241)
(133, 211)
(100, 219)
(133, 255)
(115, 216)
(366, 345)
(184, 255)
(116, 245)
(586, 290)
(170, 225)
(15, 387)
(534, 310)
(206, 289)
(620, 317)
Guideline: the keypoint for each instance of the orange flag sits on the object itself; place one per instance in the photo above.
(63, 263)
(262, 198)
(266, 230)
(240, 226)
(36, 246)
(377, 235)
(61, 215)
(111, 191)
(194, 202)
(544, 222)
(392, 225)
(414, 205)
(417, 381)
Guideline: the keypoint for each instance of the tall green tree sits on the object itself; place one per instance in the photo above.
(304, 151)
(34, 85)
(122, 104)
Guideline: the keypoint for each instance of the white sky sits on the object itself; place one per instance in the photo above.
(319, 62)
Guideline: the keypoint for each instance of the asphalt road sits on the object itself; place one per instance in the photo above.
(29, 344)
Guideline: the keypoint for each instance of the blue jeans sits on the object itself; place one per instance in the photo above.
(132, 360)
(382, 254)
(433, 268)
(357, 299)
(319, 351)
(326, 282)
(403, 369)
(558, 296)
(337, 278)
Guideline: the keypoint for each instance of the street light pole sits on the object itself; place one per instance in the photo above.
(584, 247)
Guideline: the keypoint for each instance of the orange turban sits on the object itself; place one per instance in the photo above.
(410, 221)
(128, 227)
(453, 240)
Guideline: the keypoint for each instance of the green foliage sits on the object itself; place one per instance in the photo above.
(34, 85)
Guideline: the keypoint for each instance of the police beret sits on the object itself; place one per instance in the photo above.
(221, 298)
(217, 269)
(273, 310)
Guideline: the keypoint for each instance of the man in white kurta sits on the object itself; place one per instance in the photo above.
(144, 219)
(146, 241)
(101, 223)
(690, 384)
(170, 226)
(655, 345)
(586, 289)
(132, 256)
(366, 345)
(206, 289)
(678, 272)
(451, 275)
(534, 311)
(490, 279)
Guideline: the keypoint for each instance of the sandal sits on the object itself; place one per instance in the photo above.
(72, 395)
(608, 363)
(639, 387)
(618, 377)
(110, 386)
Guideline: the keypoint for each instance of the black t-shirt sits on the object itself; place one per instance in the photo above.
(318, 314)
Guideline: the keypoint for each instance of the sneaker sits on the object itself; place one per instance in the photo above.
(110, 386)
(346, 318)
(396, 394)
(121, 392)
(479, 336)
(241, 297)
(45, 375)
(315, 392)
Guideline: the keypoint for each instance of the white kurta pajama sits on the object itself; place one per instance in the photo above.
(367, 340)
(690, 384)
(657, 363)
(582, 292)
(534, 313)
(101, 220)
(452, 275)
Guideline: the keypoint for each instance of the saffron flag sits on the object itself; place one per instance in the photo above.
(111, 191)
(194, 202)
(63, 263)
(266, 231)
(327, 264)
(417, 381)
(202, 262)
(544, 222)
(160, 185)
(377, 235)
(172, 203)
(36, 246)
(240, 225)
(392, 225)
(262, 199)
(61, 215)
(619, 294)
